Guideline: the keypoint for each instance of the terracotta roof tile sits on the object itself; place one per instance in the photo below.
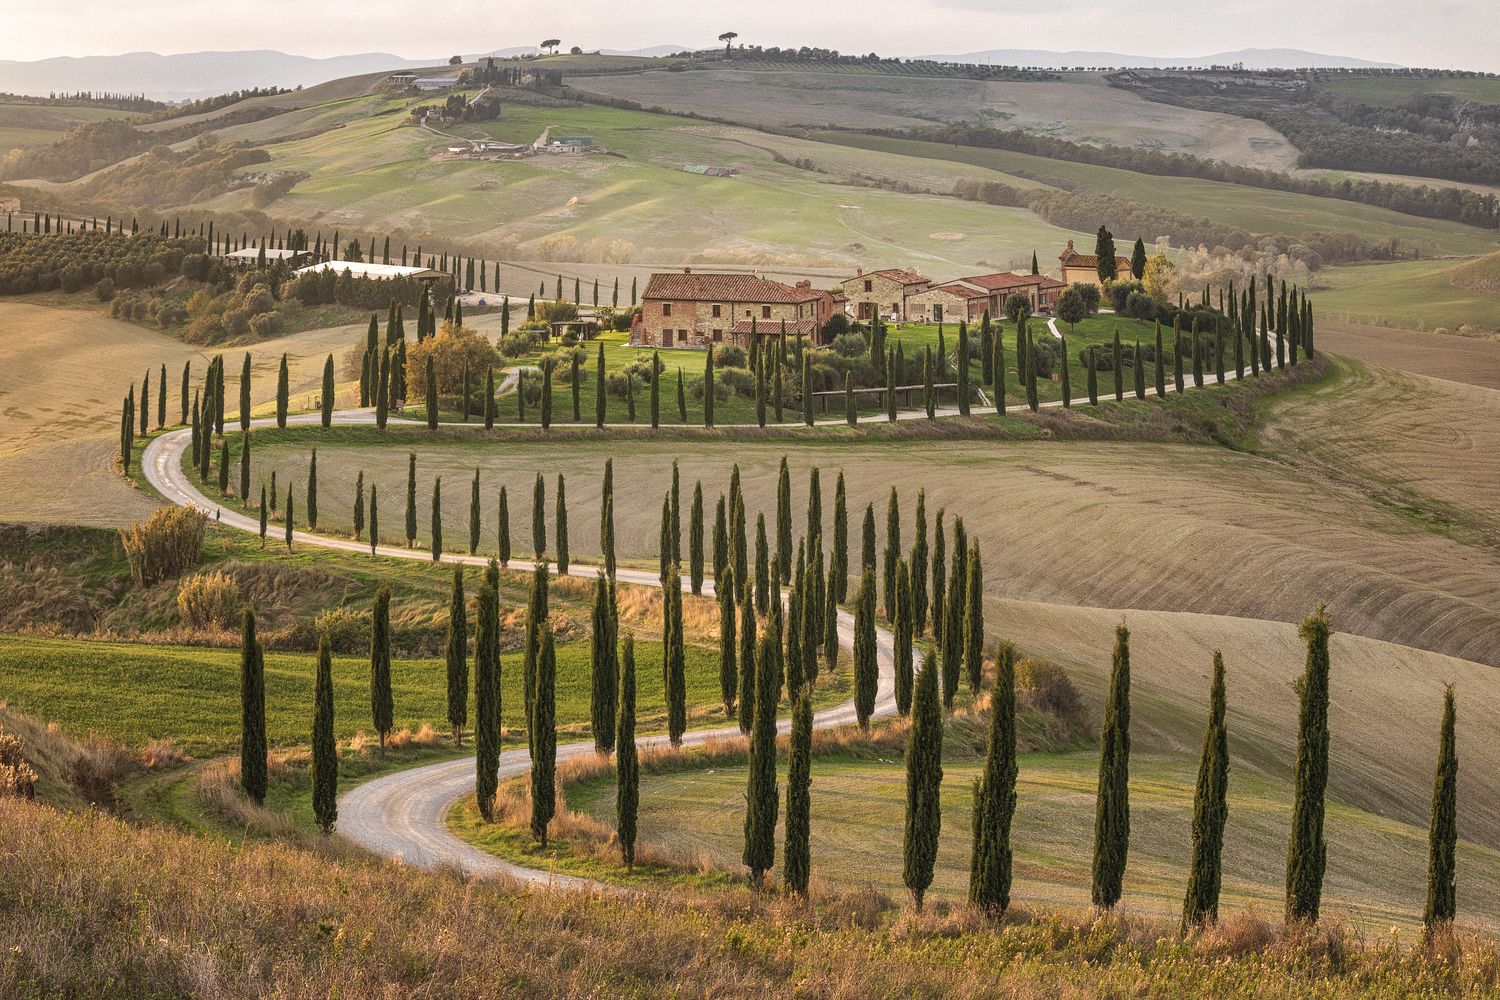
(687, 287)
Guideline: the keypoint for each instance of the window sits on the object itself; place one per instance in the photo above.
(869, 285)
(937, 313)
(765, 312)
(718, 336)
(716, 310)
(666, 338)
(666, 308)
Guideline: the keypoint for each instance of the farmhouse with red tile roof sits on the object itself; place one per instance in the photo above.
(884, 293)
(683, 309)
(1083, 268)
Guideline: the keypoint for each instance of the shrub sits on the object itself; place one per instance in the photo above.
(730, 356)
(520, 343)
(1120, 292)
(850, 345)
(104, 289)
(166, 545)
(208, 599)
(1139, 305)
(348, 630)
(1047, 352)
(736, 380)
(450, 349)
(17, 779)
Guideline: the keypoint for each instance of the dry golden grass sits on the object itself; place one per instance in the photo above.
(98, 908)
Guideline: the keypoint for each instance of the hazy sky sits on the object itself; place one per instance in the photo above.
(1451, 33)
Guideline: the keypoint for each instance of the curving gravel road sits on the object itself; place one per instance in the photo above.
(404, 815)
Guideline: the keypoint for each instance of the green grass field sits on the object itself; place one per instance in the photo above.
(1417, 295)
(1377, 867)
(134, 693)
(1392, 90)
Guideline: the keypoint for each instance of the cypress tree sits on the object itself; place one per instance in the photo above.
(503, 544)
(1197, 346)
(411, 499)
(474, 514)
(282, 394)
(655, 389)
(382, 392)
(382, 710)
(244, 393)
(1093, 376)
(905, 636)
(1067, 389)
(999, 369)
(807, 389)
(695, 540)
(487, 698)
(1139, 371)
(892, 554)
(252, 712)
(813, 606)
(674, 534)
(561, 529)
(708, 388)
(681, 399)
(1032, 399)
(437, 519)
(182, 392)
(224, 466)
(1307, 853)
(1177, 376)
(924, 778)
(327, 398)
(973, 626)
(374, 519)
(605, 684)
(312, 490)
(867, 541)
(938, 579)
(851, 411)
(1442, 838)
(929, 400)
(359, 505)
(537, 612)
(1112, 808)
(1210, 811)
(952, 639)
(796, 675)
(890, 386)
(963, 369)
(325, 751)
(995, 796)
(290, 518)
(784, 522)
(721, 545)
(866, 668)
(489, 399)
(456, 656)
(1161, 371)
(761, 791)
(746, 663)
(674, 667)
(741, 563)
(762, 567)
(539, 517)
(839, 565)
(627, 769)
(263, 513)
(728, 667)
(797, 853)
(546, 415)
(917, 568)
(544, 751)
(600, 380)
(1119, 369)
(244, 490)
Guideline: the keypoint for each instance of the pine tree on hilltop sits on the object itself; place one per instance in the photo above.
(487, 699)
(456, 657)
(924, 778)
(1210, 811)
(252, 712)
(1307, 854)
(1112, 807)
(995, 795)
(627, 769)
(1443, 834)
(382, 709)
(544, 745)
(325, 751)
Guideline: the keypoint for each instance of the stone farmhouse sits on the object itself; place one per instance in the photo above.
(1083, 268)
(884, 293)
(970, 298)
(683, 309)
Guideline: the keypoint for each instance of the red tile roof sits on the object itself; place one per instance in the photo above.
(959, 289)
(1004, 280)
(688, 287)
(1072, 258)
(772, 328)
(899, 275)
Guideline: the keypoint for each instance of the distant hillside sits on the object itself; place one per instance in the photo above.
(189, 74)
(1250, 58)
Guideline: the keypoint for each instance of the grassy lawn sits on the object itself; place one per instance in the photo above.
(1390, 90)
(135, 693)
(1377, 867)
(1413, 294)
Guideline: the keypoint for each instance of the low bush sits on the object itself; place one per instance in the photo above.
(166, 545)
(208, 600)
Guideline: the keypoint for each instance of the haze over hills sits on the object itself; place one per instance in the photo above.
(188, 75)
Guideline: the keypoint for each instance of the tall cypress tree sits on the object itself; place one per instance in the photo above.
(602, 664)
(326, 400)
(503, 543)
(544, 748)
(474, 514)
(866, 667)
(539, 517)
(244, 490)
(995, 795)
(695, 540)
(537, 612)
(784, 521)
(656, 367)
(892, 553)
(599, 389)
(1442, 838)
(487, 697)
(746, 664)
(1161, 370)
(561, 528)
(312, 490)
(1307, 853)
(1210, 812)
(963, 368)
(182, 392)
(252, 712)
(382, 709)
(917, 568)
(674, 667)
(1112, 808)
(905, 636)
(762, 567)
(952, 639)
(411, 499)
(456, 656)
(867, 540)
(839, 564)
(708, 389)
(290, 518)
(282, 394)
(374, 516)
(437, 519)
(797, 854)
(938, 580)
(924, 779)
(325, 751)
(244, 393)
(974, 619)
(761, 792)
(627, 769)
(728, 665)
(223, 466)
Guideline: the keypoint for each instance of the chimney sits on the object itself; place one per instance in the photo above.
(1070, 246)
(859, 272)
(687, 270)
(805, 283)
